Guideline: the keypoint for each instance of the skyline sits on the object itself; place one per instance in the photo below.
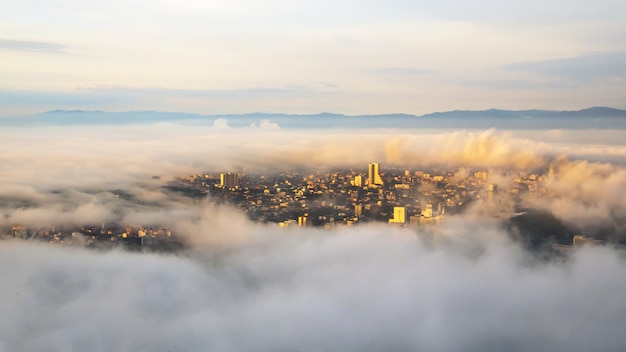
(296, 57)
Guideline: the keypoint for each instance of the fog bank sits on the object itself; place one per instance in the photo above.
(366, 288)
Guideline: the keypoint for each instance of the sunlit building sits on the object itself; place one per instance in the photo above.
(373, 175)
(229, 180)
(358, 181)
(580, 240)
(428, 216)
(428, 212)
(302, 220)
(358, 210)
(399, 215)
(481, 175)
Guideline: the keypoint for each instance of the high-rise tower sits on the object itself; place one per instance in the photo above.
(373, 175)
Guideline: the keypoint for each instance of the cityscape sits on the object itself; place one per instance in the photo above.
(413, 199)
(312, 176)
(347, 197)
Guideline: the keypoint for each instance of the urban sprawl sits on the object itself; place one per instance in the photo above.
(326, 199)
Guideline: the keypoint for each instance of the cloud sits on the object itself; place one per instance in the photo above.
(220, 124)
(403, 71)
(266, 125)
(48, 158)
(365, 288)
(248, 286)
(585, 68)
(72, 175)
(33, 47)
(587, 195)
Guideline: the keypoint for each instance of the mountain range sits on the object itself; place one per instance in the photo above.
(591, 118)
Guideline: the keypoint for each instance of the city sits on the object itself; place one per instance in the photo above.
(346, 197)
(414, 199)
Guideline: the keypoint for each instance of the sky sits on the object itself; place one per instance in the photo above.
(351, 57)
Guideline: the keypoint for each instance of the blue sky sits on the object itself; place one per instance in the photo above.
(349, 57)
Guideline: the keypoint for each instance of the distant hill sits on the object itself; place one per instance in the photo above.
(595, 117)
(591, 118)
(592, 113)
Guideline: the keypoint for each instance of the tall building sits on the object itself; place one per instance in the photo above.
(358, 181)
(373, 175)
(399, 215)
(229, 180)
(358, 210)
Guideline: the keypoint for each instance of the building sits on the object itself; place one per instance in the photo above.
(19, 231)
(358, 181)
(428, 212)
(358, 210)
(373, 175)
(428, 216)
(229, 180)
(149, 240)
(302, 220)
(481, 175)
(399, 215)
(288, 223)
(580, 240)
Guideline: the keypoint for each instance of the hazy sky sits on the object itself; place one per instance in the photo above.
(303, 57)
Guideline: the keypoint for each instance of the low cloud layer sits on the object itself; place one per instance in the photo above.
(245, 286)
(587, 195)
(51, 157)
(366, 288)
(56, 176)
